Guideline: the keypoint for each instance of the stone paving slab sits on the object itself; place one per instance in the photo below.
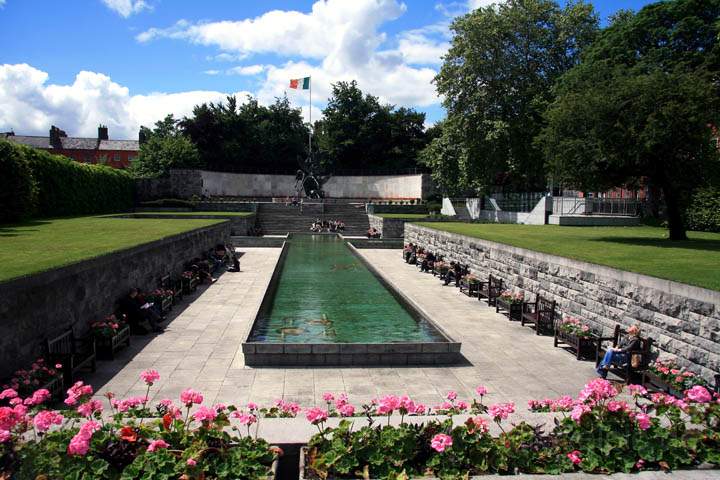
(201, 348)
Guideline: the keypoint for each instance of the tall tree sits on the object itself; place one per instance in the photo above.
(359, 132)
(496, 81)
(248, 136)
(163, 148)
(642, 105)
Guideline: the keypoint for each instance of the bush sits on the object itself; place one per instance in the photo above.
(704, 211)
(18, 191)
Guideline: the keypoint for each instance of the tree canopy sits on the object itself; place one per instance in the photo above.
(359, 132)
(496, 81)
(642, 106)
(163, 148)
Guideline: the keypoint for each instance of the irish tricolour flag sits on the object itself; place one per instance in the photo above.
(300, 83)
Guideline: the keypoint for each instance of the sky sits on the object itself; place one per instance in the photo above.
(125, 63)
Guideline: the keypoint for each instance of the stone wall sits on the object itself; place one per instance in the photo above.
(41, 306)
(684, 320)
(388, 227)
(186, 183)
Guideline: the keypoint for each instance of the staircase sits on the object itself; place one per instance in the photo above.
(279, 219)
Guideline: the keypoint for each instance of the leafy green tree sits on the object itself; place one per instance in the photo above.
(358, 132)
(241, 137)
(165, 147)
(446, 158)
(496, 81)
(641, 105)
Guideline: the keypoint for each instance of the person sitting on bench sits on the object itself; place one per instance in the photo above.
(235, 267)
(138, 312)
(620, 355)
(409, 250)
(455, 273)
(428, 262)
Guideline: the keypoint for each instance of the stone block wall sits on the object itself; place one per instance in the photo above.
(684, 320)
(41, 306)
(388, 227)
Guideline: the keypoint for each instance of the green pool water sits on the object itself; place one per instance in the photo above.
(325, 294)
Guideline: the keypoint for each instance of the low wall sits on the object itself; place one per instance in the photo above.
(593, 220)
(382, 208)
(239, 225)
(41, 306)
(186, 183)
(684, 320)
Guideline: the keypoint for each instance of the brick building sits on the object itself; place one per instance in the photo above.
(100, 150)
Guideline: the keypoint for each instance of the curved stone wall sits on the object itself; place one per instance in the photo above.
(684, 320)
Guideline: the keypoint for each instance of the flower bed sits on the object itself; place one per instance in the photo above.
(38, 376)
(80, 442)
(162, 297)
(668, 377)
(601, 434)
(578, 336)
(469, 285)
(189, 282)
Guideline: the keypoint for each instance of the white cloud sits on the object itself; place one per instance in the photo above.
(246, 70)
(473, 4)
(125, 8)
(212, 72)
(337, 40)
(31, 105)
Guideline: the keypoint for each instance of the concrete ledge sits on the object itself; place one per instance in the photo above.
(593, 220)
(357, 358)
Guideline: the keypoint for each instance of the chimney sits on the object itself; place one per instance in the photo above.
(103, 132)
(55, 135)
(142, 137)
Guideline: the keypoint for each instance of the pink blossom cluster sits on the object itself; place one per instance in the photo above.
(316, 415)
(128, 403)
(561, 404)
(514, 297)
(344, 408)
(11, 416)
(45, 419)
(205, 414)
(244, 418)
(477, 424)
(80, 443)
(157, 445)
(150, 376)
(698, 394)
(38, 373)
(441, 442)
(189, 397)
(290, 409)
(501, 411)
(597, 390)
(38, 397)
(90, 407)
(78, 392)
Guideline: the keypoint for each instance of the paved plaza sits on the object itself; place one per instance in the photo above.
(201, 348)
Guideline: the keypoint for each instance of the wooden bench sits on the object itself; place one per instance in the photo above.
(643, 356)
(168, 283)
(539, 314)
(106, 347)
(73, 353)
(469, 288)
(490, 290)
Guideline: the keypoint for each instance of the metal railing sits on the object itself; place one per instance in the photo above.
(598, 206)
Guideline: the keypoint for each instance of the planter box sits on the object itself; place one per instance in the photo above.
(655, 382)
(513, 310)
(189, 285)
(469, 289)
(582, 346)
(56, 387)
(107, 346)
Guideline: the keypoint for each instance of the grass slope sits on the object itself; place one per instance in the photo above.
(646, 250)
(190, 214)
(43, 244)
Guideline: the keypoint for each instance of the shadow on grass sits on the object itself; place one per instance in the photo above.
(17, 229)
(692, 244)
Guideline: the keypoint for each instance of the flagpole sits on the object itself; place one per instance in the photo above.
(310, 115)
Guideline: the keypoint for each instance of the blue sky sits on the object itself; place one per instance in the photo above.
(129, 62)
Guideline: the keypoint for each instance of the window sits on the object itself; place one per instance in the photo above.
(116, 157)
(103, 159)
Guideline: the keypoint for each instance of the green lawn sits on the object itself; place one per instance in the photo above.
(39, 245)
(206, 214)
(637, 249)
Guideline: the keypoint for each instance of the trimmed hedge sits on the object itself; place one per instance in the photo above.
(704, 212)
(18, 189)
(66, 187)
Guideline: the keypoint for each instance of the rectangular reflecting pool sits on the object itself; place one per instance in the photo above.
(326, 306)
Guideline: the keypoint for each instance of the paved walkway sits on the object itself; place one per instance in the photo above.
(201, 349)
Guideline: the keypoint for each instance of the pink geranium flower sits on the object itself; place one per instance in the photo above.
(205, 414)
(191, 462)
(451, 395)
(80, 443)
(157, 444)
(643, 421)
(481, 390)
(8, 393)
(316, 415)
(189, 397)
(501, 411)
(347, 410)
(328, 397)
(38, 397)
(698, 394)
(45, 419)
(88, 408)
(440, 442)
(574, 457)
(244, 418)
(150, 376)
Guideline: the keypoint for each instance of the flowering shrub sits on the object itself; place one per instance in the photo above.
(158, 295)
(510, 297)
(601, 434)
(471, 279)
(107, 328)
(573, 326)
(441, 267)
(26, 381)
(677, 378)
(79, 442)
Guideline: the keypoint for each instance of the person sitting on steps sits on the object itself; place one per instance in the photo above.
(620, 355)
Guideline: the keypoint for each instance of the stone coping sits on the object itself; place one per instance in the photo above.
(48, 276)
(647, 281)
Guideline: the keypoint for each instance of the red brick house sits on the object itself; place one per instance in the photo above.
(102, 150)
